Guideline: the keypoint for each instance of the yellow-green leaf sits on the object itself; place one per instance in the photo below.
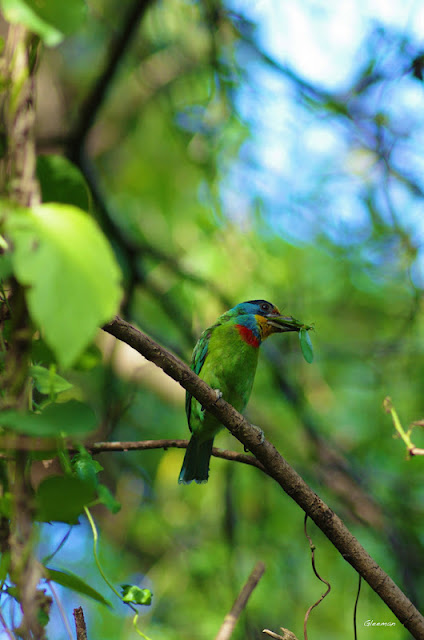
(70, 273)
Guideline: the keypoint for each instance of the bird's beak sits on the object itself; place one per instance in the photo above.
(285, 323)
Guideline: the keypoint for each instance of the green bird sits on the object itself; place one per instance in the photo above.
(225, 357)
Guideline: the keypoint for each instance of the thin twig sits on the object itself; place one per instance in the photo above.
(61, 609)
(24, 443)
(234, 456)
(231, 618)
(355, 608)
(404, 435)
(416, 451)
(272, 634)
(8, 632)
(312, 547)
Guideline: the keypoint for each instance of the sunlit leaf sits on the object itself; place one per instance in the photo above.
(70, 272)
(50, 19)
(66, 17)
(135, 595)
(20, 12)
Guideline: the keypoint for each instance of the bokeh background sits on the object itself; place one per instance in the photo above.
(238, 150)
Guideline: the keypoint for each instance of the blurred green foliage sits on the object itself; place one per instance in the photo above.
(159, 161)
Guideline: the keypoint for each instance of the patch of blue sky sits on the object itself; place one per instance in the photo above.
(293, 153)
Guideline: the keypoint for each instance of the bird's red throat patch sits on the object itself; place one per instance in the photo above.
(248, 335)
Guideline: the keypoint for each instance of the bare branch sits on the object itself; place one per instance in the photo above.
(279, 469)
(231, 618)
(25, 443)
(142, 445)
(405, 435)
(416, 451)
(80, 625)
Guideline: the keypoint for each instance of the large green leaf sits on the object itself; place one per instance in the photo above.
(62, 499)
(71, 581)
(61, 255)
(69, 418)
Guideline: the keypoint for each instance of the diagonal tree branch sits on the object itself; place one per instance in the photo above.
(279, 469)
(95, 99)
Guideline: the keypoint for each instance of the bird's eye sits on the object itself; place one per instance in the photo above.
(265, 306)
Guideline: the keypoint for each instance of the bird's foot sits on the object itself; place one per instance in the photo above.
(218, 394)
(261, 435)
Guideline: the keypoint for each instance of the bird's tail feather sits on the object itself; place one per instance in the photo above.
(196, 461)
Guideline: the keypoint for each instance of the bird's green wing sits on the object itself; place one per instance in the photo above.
(197, 361)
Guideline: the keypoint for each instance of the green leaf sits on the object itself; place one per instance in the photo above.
(19, 12)
(86, 468)
(62, 499)
(106, 498)
(50, 19)
(68, 418)
(71, 581)
(42, 617)
(47, 381)
(70, 272)
(41, 352)
(6, 268)
(61, 181)
(135, 595)
(306, 345)
(67, 17)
